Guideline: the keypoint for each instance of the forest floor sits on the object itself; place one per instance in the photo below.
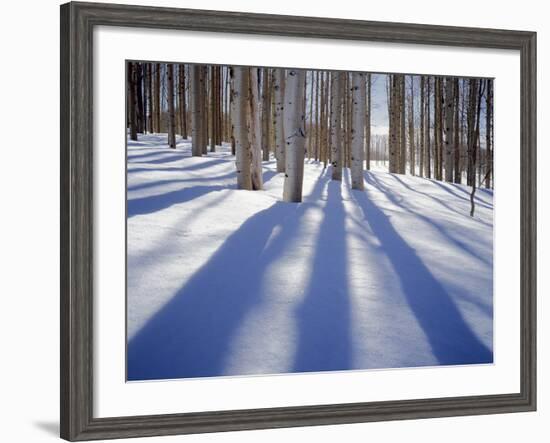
(230, 282)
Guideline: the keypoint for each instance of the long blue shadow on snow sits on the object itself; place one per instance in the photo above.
(157, 183)
(391, 195)
(166, 158)
(154, 203)
(323, 318)
(194, 167)
(438, 200)
(451, 339)
(191, 335)
(477, 199)
(142, 157)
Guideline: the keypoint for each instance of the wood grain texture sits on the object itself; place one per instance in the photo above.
(77, 23)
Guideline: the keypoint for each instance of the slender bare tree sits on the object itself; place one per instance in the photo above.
(196, 110)
(278, 88)
(394, 127)
(171, 113)
(132, 100)
(412, 148)
(336, 154)
(156, 99)
(422, 136)
(488, 132)
(239, 107)
(294, 128)
(266, 112)
(449, 133)
(181, 101)
(368, 97)
(255, 129)
(457, 172)
(358, 88)
(428, 142)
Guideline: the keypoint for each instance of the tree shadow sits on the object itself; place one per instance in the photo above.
(191, 335)
(165, 158)
(437, 200)
(451, 339)
(154, 203)
(390, 194)
(194, 167)
(323, 318)
(466, 198)
(155, 183)
(153, 140)
(142, 157)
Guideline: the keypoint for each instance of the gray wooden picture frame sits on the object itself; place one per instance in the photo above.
(77, 23)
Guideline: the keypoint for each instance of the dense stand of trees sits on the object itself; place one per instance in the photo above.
(438, 127)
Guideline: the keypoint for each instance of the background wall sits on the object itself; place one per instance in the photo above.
(29, 184)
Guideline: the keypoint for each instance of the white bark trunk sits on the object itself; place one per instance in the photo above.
(196, 108)
(239, 107)
(278, 87)
(336, 132)
(294, 120)
(449, 117)
(358, 89)
(171, 112)
(368, 123)
(254, 132)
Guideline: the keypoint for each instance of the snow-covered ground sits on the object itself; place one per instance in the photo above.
(230, 282)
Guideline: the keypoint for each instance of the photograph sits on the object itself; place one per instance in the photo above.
(283, 220)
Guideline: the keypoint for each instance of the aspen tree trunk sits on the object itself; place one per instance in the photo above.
(347, 120)
(463, 136)
(477, 119)
(171, 113)
(211, 106)
(428, 149)
(220, 105)
(402, 127)
(182, 101)
(358, 89)
(266, 113)
(254, 130)
(488, 133)
(239, 107)
(231, 106)
(156, 101)
(412, 152)
(204, 103)
(336, 154)
(278, 88)
(394, 124)
(150, 97)
(132, 101)
(421, 137)
(368, 121)
(457, 174)
(139, 97)
(449, 133)
(196, 110)
(294, 129)
(310, 132)
(145, 97)
(322, 120)
(470, 173)
(317, 114)
(437, 127)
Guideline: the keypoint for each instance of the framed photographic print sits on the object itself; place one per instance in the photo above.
(272, 221)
